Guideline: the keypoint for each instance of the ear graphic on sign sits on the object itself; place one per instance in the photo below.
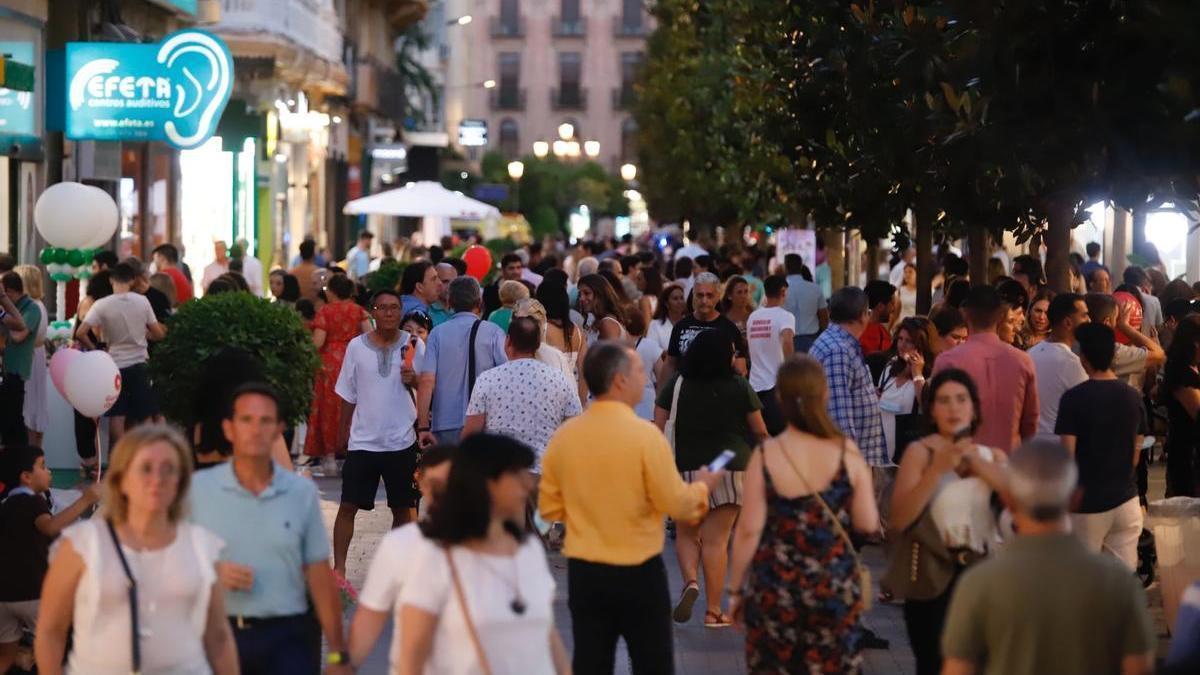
(215, 88)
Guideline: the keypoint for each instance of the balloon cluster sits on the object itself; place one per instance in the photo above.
(65, 264)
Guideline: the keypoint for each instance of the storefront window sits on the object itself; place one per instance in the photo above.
(144, 195)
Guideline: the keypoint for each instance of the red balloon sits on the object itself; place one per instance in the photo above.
(479, 261)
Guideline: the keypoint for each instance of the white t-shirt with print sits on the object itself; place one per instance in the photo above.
(384, 411)
(766, 351)
(512, 642)
(526, 400)
(390, 569)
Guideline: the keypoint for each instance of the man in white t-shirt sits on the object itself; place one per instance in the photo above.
(126, 321)
(392, 566)
(769, 335)
(378, 420)
(524, 398)
(219, 265)
(1058, 368)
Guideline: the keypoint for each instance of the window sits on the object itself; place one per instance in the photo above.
(510, 18)
(570, 23)
(570, 70)
(631, 17)
(510, 138)
(510, 77)
(570, 11)
(629, 130)
(631, 63)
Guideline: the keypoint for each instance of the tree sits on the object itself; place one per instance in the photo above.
(551, 186)
(420, 87)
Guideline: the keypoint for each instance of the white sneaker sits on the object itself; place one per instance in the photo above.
(329, 466)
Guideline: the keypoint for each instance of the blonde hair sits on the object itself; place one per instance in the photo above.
(31, 278)
(512, 291)
(532, 309)
(166, 285)
(115, 504)
(801, 388)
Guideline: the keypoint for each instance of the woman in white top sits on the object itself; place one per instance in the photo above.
(485, 599)
(561, 332)
(948, 474)
(652, 364)
(37, 409)
(181, 624)
(546, 353)
(672, 307)
(908, 292)
(901, 382)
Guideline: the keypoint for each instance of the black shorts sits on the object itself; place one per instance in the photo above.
(363, 469)
(136, 402)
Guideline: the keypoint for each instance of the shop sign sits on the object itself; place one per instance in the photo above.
(794, 240)
(17, 116)
(172, 91)
(472, 133)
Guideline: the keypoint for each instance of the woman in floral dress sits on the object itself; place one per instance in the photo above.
(337, 323)
(794, 581)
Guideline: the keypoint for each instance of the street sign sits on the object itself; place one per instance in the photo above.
(472, 133)
(174, 91)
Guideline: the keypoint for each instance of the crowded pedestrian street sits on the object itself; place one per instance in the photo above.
(447, 337)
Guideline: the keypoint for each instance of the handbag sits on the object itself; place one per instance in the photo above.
(669, 427)
(135, 647)
(864, 573)
(921, 566)
(462, 603)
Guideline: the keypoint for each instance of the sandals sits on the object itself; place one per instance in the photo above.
(717, 619)
(687, 600)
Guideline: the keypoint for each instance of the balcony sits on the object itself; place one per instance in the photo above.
(508, 28)
(508, 98)
(303, 24)
(568, 98)
(571, 28)
(623, 97)
(629, 27)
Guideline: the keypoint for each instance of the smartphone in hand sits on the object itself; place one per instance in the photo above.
(721, 461)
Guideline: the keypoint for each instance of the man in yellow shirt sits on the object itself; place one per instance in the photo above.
(611, 477)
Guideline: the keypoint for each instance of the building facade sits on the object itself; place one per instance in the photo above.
(526, 67)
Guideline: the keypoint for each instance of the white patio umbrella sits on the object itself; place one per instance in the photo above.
(422, 200)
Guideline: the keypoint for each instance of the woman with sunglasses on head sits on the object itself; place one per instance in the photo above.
(138, 555)
(485, 601)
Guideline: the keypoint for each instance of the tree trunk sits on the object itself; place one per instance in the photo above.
(1058, 248)
(1139, 230)
(977, 255)
(924, 244)
(872, 258)
(835, 249)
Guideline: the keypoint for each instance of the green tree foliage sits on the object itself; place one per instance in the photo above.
(273, 333)
(550, 189)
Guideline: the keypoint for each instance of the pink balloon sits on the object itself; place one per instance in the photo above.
(59, 363)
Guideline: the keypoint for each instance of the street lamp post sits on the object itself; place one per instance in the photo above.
(628, 172)
(516, 169)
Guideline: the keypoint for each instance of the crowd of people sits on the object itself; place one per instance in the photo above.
(576, 402)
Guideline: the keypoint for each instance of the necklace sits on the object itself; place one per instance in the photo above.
(517, 605)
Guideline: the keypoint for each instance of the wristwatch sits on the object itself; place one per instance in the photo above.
(337, 658)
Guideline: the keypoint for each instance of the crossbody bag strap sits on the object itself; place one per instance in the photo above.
(837, 523)
(471, 358)
(462, 603)
(135, 647)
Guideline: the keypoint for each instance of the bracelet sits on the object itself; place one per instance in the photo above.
(919, 380)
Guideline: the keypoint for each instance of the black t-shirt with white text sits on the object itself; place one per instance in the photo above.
(1104, 416)
(26, 550)
(689, 327)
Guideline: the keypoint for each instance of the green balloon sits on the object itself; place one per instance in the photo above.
(75, 258)
(47, 255)
(60, 256)
(89, 254)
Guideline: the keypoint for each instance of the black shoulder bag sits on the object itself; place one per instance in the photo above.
(135, 647)
(471, 358)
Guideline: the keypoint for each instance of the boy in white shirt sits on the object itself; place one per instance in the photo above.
(769, 333)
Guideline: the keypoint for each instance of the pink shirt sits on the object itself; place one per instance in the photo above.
(1007, 384)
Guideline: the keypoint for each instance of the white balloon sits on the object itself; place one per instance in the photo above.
(106, 217)
(93, 383)
(71, 215)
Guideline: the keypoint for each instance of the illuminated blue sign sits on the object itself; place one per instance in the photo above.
(173, 91)
(17, 117)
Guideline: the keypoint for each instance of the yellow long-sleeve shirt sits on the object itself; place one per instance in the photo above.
(610, 476)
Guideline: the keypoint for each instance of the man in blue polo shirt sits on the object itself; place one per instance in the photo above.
(276, 551)
(444, 374)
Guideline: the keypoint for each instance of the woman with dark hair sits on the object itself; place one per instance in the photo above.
(901, 383)
(946, 477)
(801, 604)
(708, 408)
(650, 283)
(561, 332)
(736, 303)
(485, 601)
(1037, 323)
(284, 287)
(223, 373)
(602, 308)
(1181, 394)
(956, 292)
(337, 323)
(671, 307)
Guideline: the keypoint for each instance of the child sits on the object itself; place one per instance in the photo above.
(26, 530)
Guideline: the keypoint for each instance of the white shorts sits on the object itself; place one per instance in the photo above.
(1115, 531)
(14, 616)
